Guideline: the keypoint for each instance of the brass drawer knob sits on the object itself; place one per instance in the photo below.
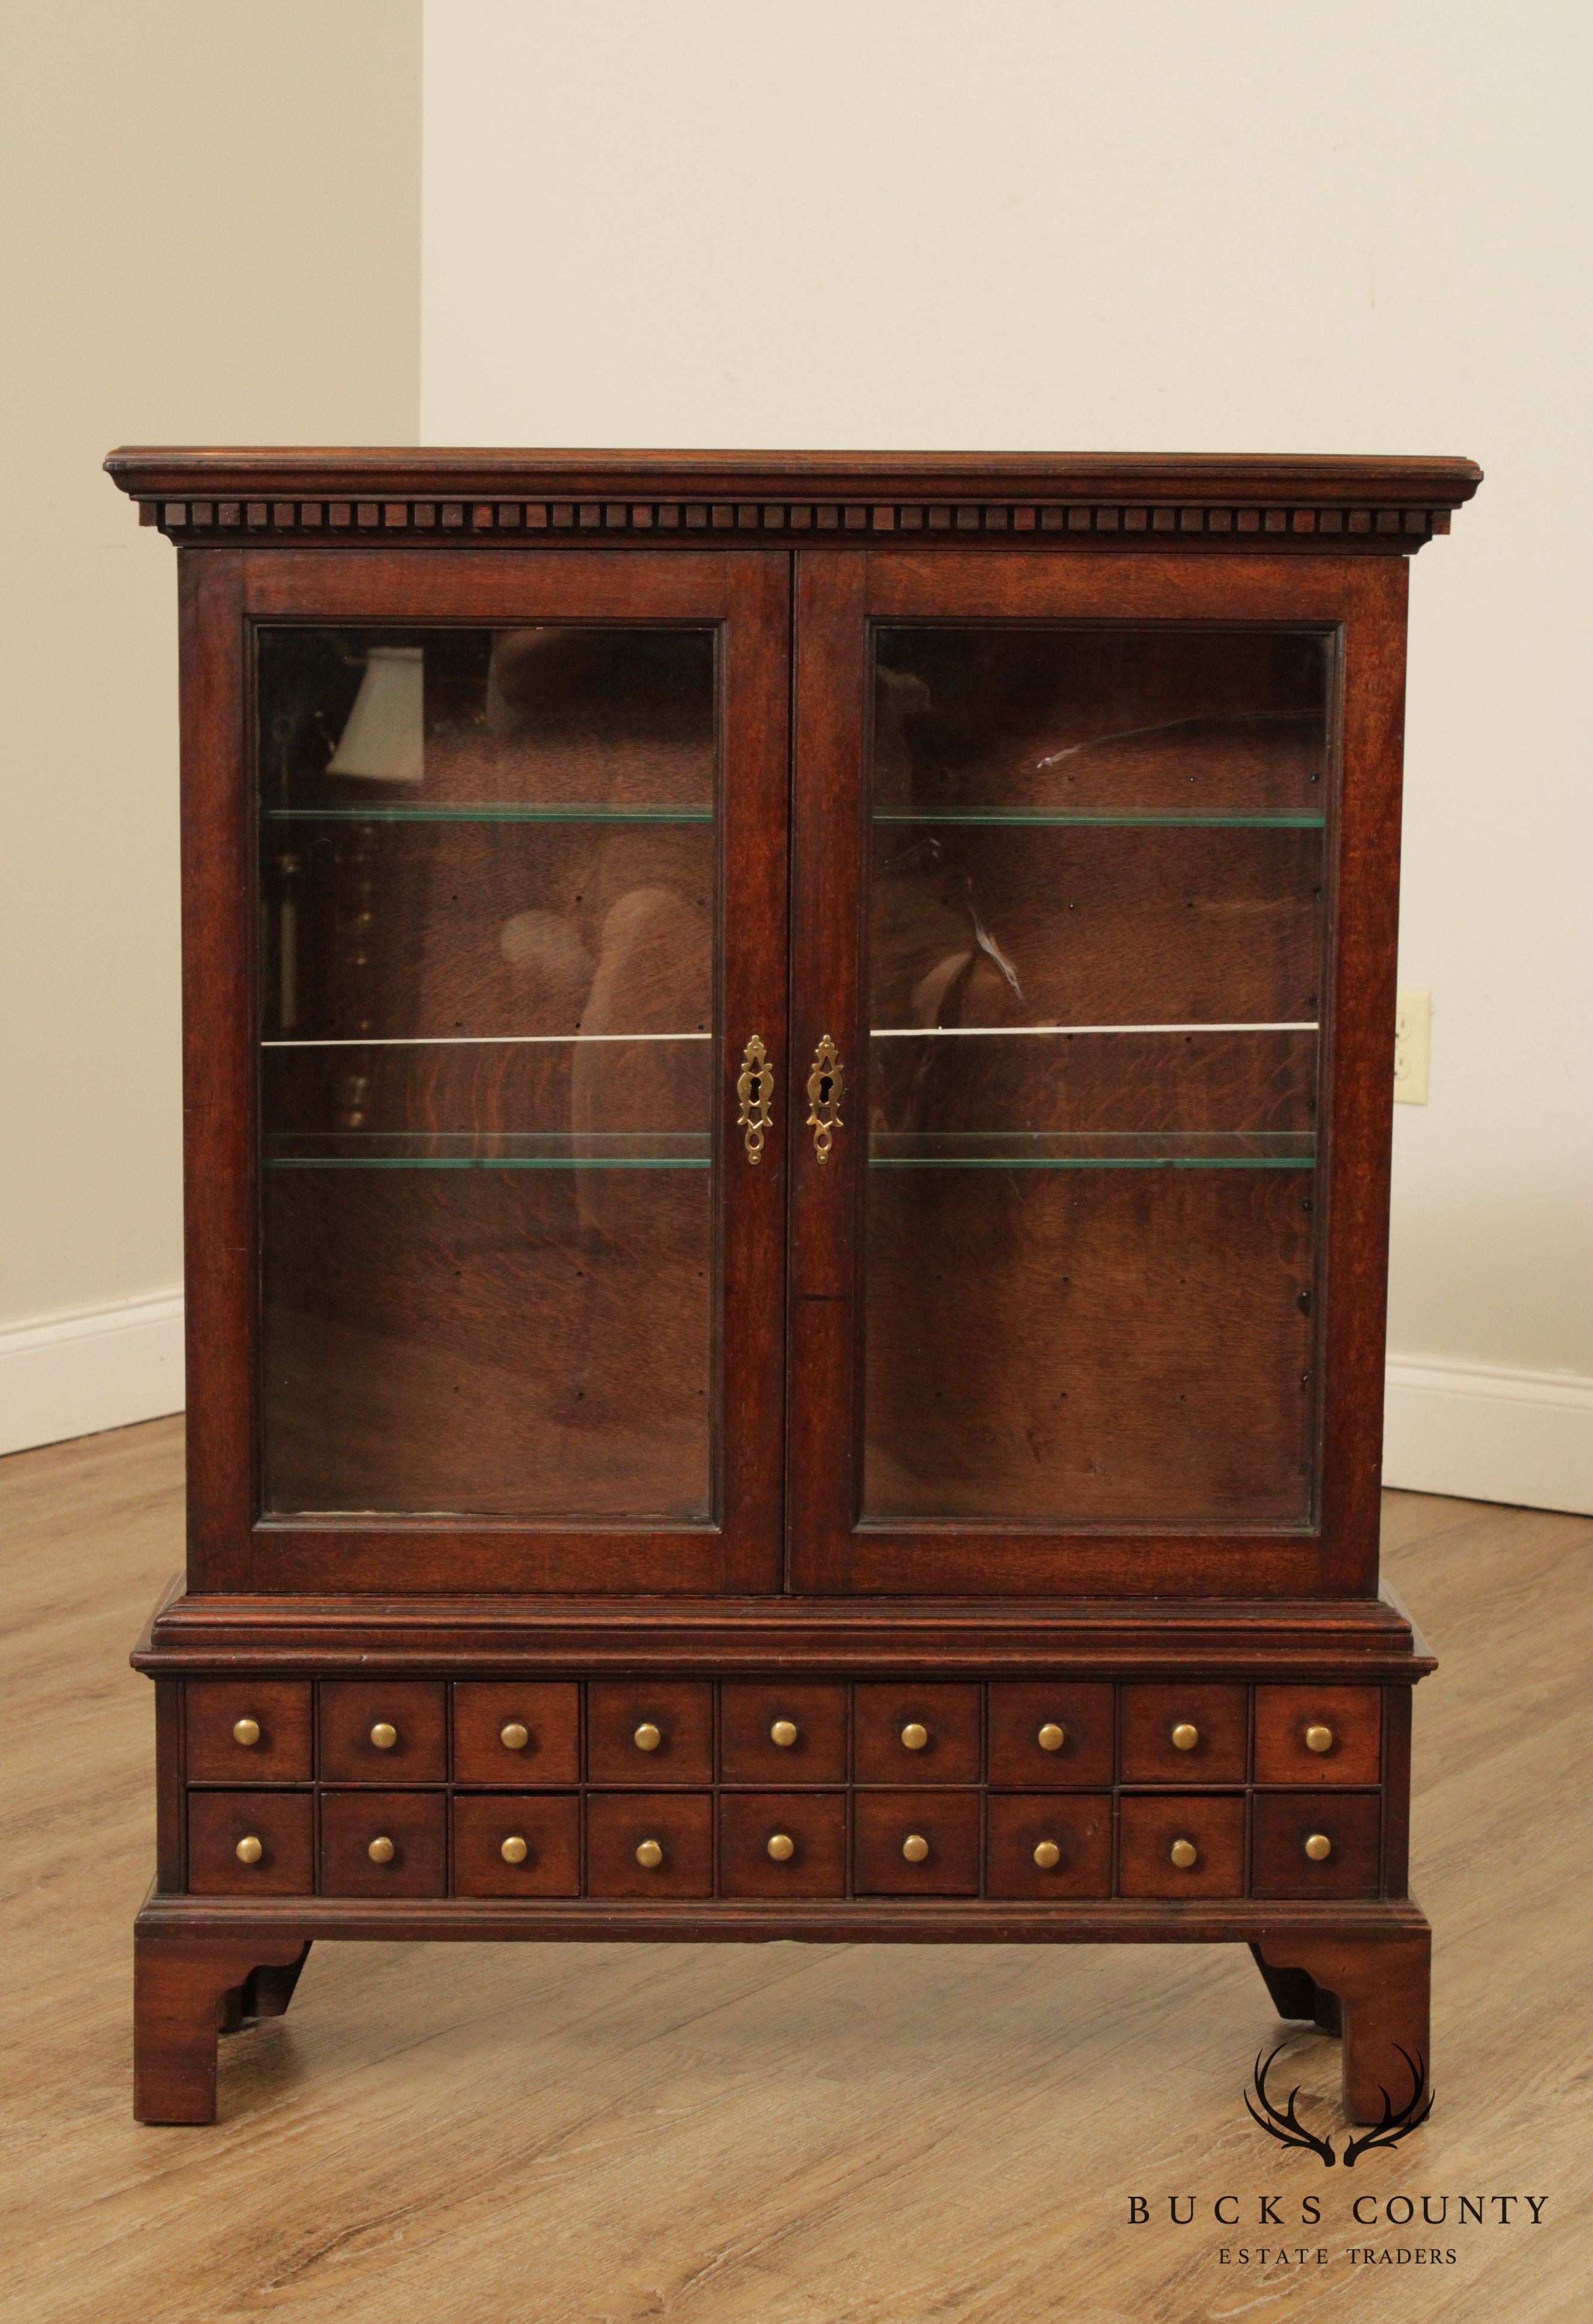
(381, 1851)
(650, 1856)
(647, 1737)
(513, 1736)
(246, 1732)
(249, 1851)
(914, 1737)
(915, 1848)
(1318, 1848)
(514, 1850)
(783, 1732)
(383, 1736)
(1185, 1737)
(1183, 1853)
(1051, 1737)
(1048, 1856)
(781, 1847)
(1318, 1738)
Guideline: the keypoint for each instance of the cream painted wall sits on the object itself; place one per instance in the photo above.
(211, 220)
(1247, 225)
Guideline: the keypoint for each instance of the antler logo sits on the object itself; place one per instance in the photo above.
(1288, 2130)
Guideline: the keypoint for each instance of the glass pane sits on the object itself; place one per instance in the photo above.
(487, 1056)
(1096, 977)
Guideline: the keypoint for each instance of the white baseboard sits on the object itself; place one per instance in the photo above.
(91, 1368)
(1464, 1429)
(1487, 1435)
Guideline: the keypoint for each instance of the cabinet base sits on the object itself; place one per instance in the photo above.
(201, 1968)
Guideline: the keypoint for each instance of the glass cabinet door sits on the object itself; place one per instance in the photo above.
(495, 1145)
(1082, 1259)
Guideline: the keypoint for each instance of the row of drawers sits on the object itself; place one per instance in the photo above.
(795, 1844)
(534, 1734)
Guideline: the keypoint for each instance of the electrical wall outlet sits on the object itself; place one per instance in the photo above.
(1413, 1028)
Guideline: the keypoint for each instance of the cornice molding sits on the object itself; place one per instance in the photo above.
(334, 498)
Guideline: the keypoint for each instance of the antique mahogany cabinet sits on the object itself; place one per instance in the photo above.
(788, 1084)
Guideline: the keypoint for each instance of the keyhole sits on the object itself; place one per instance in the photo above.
(824, 1089)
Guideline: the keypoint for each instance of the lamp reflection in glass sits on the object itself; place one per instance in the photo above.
(384, 739)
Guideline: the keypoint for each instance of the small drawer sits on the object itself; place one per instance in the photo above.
(522, 1736)
(645, 1844)
(910, 1733)
(509, 1844)
(777, 1734)
(917, 1843)
(1051, 1844)
(244, 1730)
(1049, 1735)
(1184, 1734)
(1316, 1844)
(653, 1732)
(1318, 1734)
(274, 1831)
(384, 1844)
(782, 1844)
(1155, 1833)
(382, 1731)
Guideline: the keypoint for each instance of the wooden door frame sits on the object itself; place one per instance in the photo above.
(838, 596)
(224, 596)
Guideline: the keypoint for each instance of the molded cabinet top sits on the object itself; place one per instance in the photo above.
(1153, 499)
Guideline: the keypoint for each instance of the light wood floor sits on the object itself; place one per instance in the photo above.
(750, 2135)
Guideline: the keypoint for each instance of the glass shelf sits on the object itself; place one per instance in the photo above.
(514, 811)
(487, 1149)
(469, 1040)
(1002, 1032)
(1025, 817)
(1092, 1149)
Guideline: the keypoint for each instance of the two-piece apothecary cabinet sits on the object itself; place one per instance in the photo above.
(789, 1069)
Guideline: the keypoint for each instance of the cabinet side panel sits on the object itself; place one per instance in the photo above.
(218, 1139)
(1357, 1095)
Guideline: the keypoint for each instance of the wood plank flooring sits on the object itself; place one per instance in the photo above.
(780, 2134)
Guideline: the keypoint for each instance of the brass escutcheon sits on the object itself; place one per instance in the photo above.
(754, 1086)
(825, 1079)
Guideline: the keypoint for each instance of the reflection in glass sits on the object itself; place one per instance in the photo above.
(486, 1071)
(1096, 988)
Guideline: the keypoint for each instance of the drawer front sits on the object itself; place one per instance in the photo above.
(1318, 1734)
(516, 1844)
(1184, 1734)
(1152, 1826)
(1051, 1845)
(1051, 1735)
(407, 1830)
(892, 1719)
(1286, 1843)
(247, 1730)
(382, 1731)
(279, 1825)
(522, 1735)
(778, 1734)
(650, 1732)
(807, 1832)
(624, 1829)
(891, 1828)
